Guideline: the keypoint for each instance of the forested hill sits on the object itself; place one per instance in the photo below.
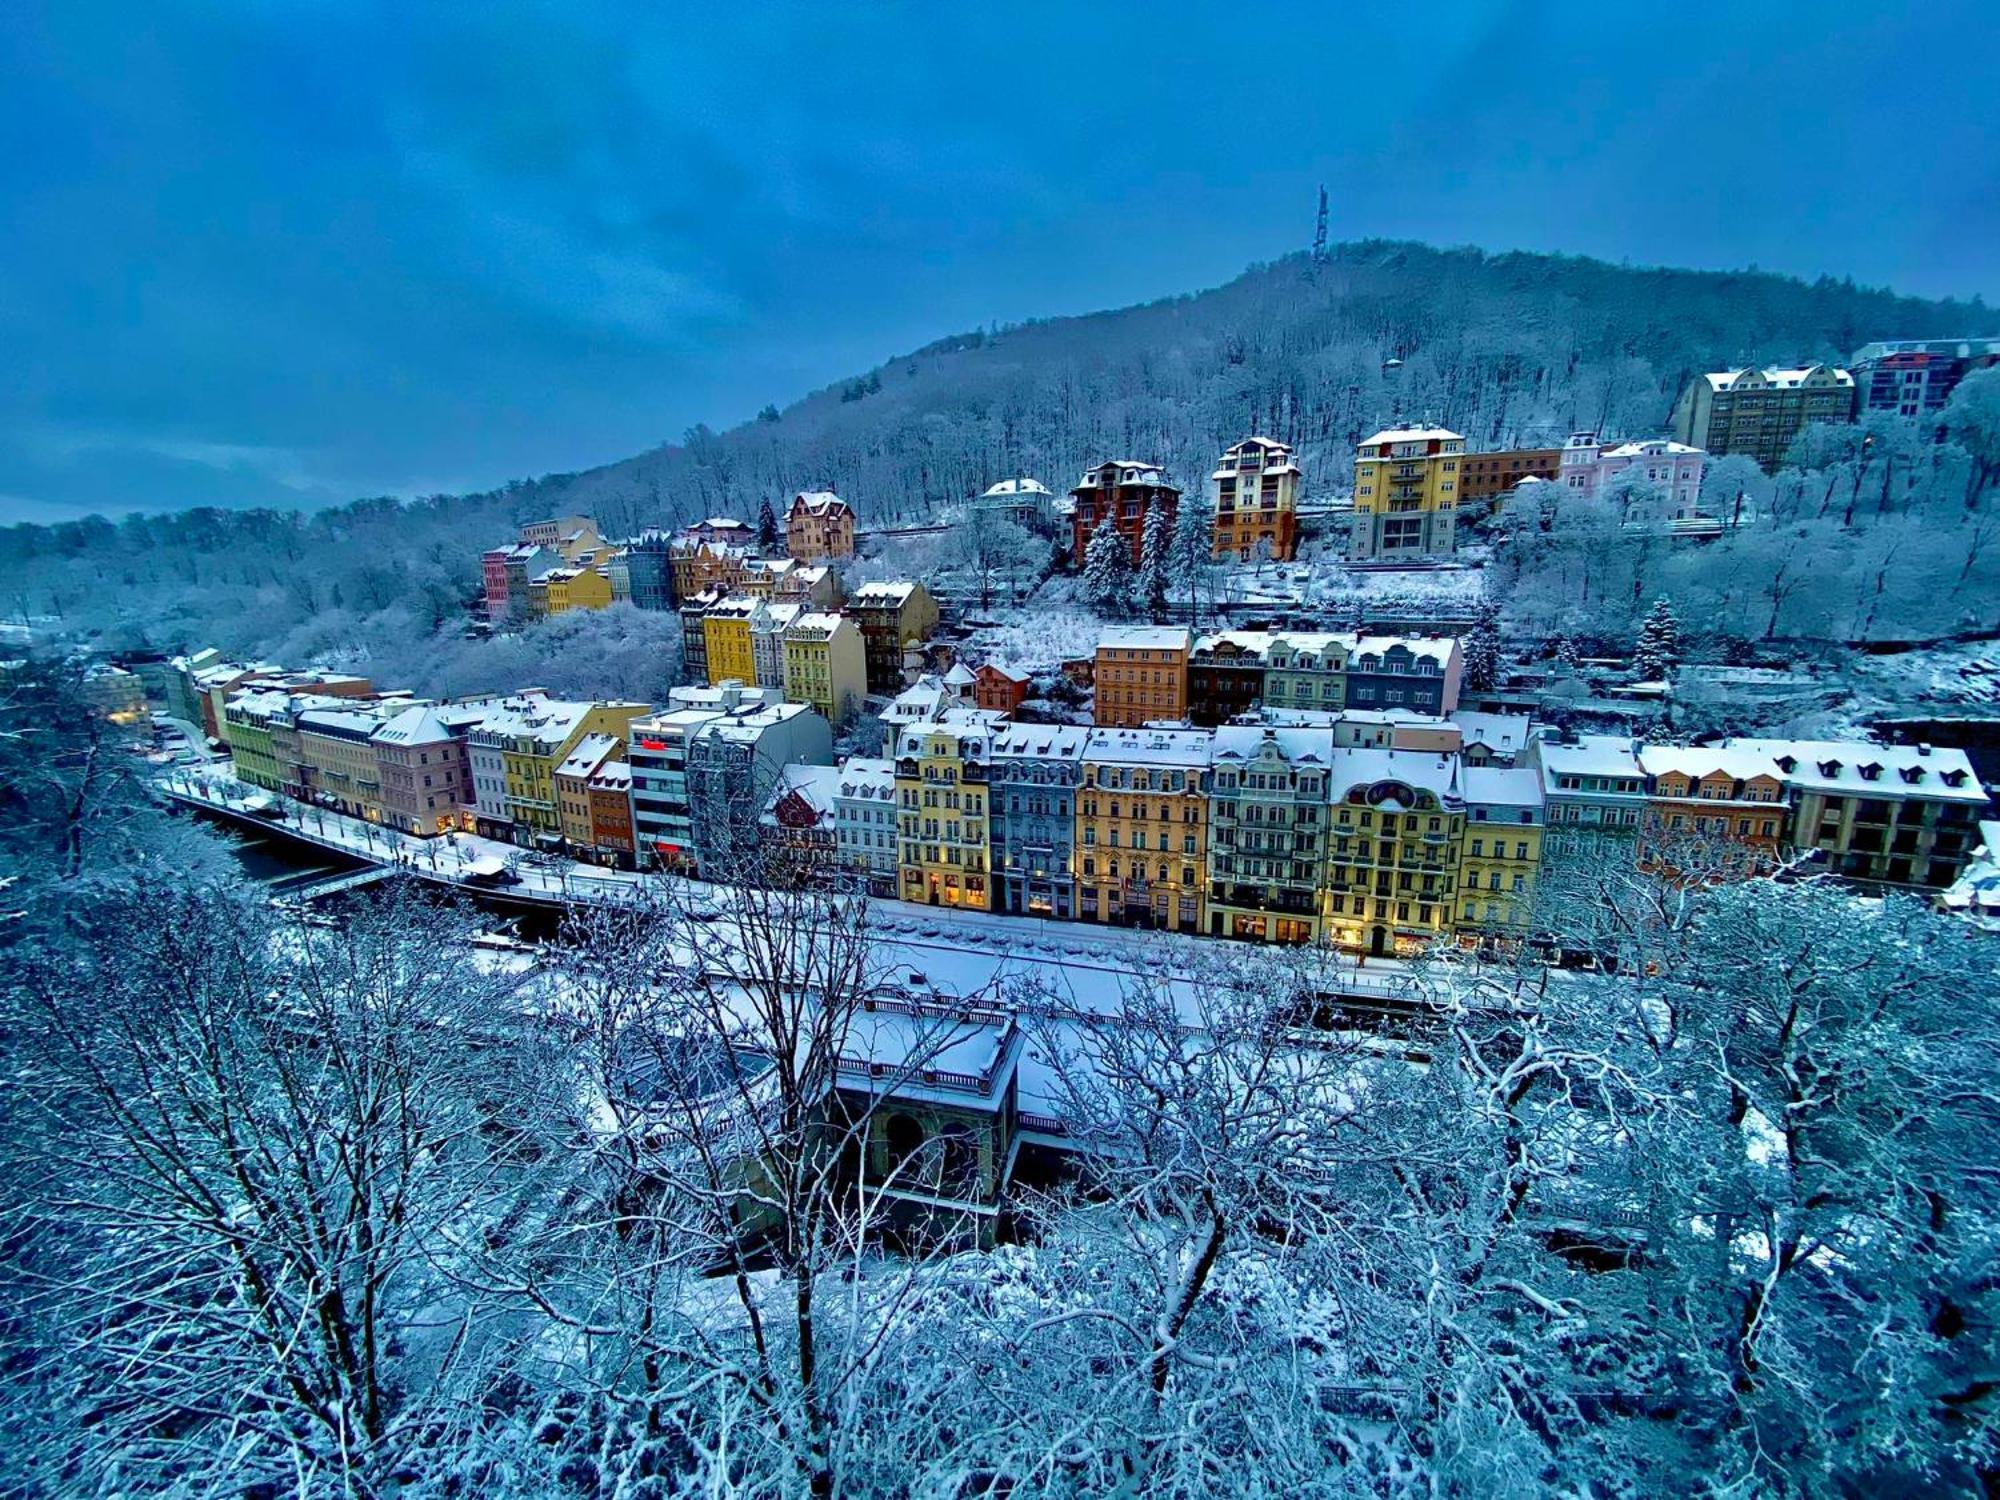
(1504, 348)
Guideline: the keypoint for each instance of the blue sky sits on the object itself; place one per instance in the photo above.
(290, 253)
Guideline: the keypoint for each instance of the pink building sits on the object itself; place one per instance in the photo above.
(1589, 466)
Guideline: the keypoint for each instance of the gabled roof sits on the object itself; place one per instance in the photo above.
(1698, 761)
(1234, 744)
(818, 502)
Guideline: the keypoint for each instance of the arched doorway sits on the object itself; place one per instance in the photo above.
(904, 1138)
(1378, 941)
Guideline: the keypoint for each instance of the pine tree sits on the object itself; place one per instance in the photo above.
(1568, 655)
(1155, 562)
(1482, 649)
(1107, 571)
(1191, 554)
(1659, 648)
(767, 525)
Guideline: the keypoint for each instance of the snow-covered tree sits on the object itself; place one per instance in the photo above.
(767, 525)
(1193, 555)
(1482, 649)
(1659, 649)
(1971, 419)
(1107, 571)
(1155, 563)
(993, 550)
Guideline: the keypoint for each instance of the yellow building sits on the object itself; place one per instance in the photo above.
(944, 853)
(575, 588)
(826, 665)
(725, 631)
(1406, 494)
(1502, 851)
(1257, 502)
(1141, 828)
(537, 739)
(1394, 849)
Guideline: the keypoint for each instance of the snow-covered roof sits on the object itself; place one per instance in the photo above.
(818, 502)
(421, 725)
(1438, 648)
(1016, 487)
(1007, 670)
(1503, 732)
(960, 675)
(586, 756)
(888, 592)
(1424, 769)
(867, 777)
(1697, 761)
(1145, 638)
(1723, 380)
(1841, 767)
(1040, 741)
(1502, 786)
(1591, 755)
(1147, 747)
(1233, 744)
(1256, 642)
(612, 776)
(817, 623)
(817, 786)
(1654, 448)
(1130, 471)
(1413, 435)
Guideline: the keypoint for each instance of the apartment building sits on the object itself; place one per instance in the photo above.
(1502, 856)
(1406, 494)
(1711, 813)
(568, 535)
(819, 526)
(646, 563)
(1000, 688)
(1590, 781)
(1268, 791)
(425, 760)
(1759, 412)
(572, 787)
(1484, 477)
(1394, 849)
(799, 827)
(865, 823)
(611, 832)
(532, 740)
(768, 623)
(1124, 492)
(826, 665)
(894, 617)
(1420, 673)
(1589, 467)
(728, 653)
(698, 566)
(566, 589)
(1035, 771)
(1915, 377)
(1141, 827)
(1142, 675)
(942, 785)
(1226, 675)
(491, 812)
(1025, 502)
(521, 565)
(1306, 669)
(694, 633)
(1256, 502)
(1492, 739)
(1902, 815)
(337, 753)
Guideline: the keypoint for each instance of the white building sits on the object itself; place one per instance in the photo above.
(864, 821)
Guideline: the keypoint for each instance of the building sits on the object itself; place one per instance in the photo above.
(1590, 781)
(768, 623)
(572, 786)
(1035, 772)
(1759, 412)
(1394, 848)
(1025, 502)
(1142, 675)
(1226, 675)
(1915, 377)
(572, 588)
(1484, 477)
(1406, 494)
(1123, 492)
(1904, 815)
(1000, 689)
(725, 531)
(1256, 502)
(1588, 467)
(864, 822)
(701, 771)
(1142, 828)
(816, 587)
(565, 534)
(1267, 831)
(1712, 813)
(728, 654)
(1502, 851)
(694, 610)
(698, 566)
(942, 785)
(799, 825)
(1306, 669)
(646, 561)
(338, 760)
(1420, 673)
(491, 814)
(426, 767)
(826, 665)
(533, 737)
(819, 527)
(1492, 739)
(611, 833)
(893, 617)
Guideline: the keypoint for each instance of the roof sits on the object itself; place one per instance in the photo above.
(1591, 755)
(818, 622)
(1016, 487)
(612, 776)
(867, 776)
(590, 752)
(1235, 743)
(887, 592)
(1256, 642)
(1654, 446)
(1502, 786)
(1904, 771)
(1145, 637)
(1439, 647)
(1148, 747)
(1495, 731)
(1414, 435)
(1697, 761)
(1130, 471)
(819, 502)
(1723, 380)
(1425, 769)
(422, 725)
(1039, 741)
(960, 675)
(1007, 670)
(1946, 348)
(815, 785)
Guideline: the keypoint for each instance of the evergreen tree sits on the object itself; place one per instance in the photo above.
(1107, 571)
(1191, 563)
(767, 525)
(1482, 649)
(1568, 656)
(1659, 648)
(1155, 562)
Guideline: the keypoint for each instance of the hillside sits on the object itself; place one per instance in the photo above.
(1502, 347)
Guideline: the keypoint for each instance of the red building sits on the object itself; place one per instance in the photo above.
(1002, 689)
(493, 572)
(1124, 493)
(611, 813)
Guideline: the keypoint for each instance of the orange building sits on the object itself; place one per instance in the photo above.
(819, 526)
(1257, 502)
(1123, 492)
(1002, 689)
(1484, 477)
(1713, 812)
(1142, 675)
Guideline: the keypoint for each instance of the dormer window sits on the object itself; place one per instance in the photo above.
(1914, 775)
(1954, 778)
(1788, 764)
(1829, 769)
(1870, 772)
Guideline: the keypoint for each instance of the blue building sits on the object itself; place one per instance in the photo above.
(1419, 673)
(1031, 814)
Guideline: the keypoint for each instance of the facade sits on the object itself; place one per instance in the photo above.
(1711, 813)
(1502, 851)
(694, 634)
(1484, 477)
(1035, 772)
(572, 786)
(826, 665)
(532, 740)
(1588, 467)
(864, 822)
(1226, 675)
(1591, 781)
(1759, 412)
(1267, 832)
(799, 824)
(1025, 502)
(610, 794)
(647, 564)
(1123, 492)
(1306, 669)
(768, 623)
(1904, 815)
(819, 527)
(573, 588)
(1142, 675)
(1000, 689)
(1394, 850)
(339, 759)
(1915, 377)
(1420, 673)
(523, 564)
(1256, 502)
(1406, 494)
(727, 653)
(815, 586)
(893, 618)
(942, 785)
(426, 767)
(698, 566)
(567, 534)
(1142, 828)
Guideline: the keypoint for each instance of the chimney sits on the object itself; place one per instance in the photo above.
(1923, 749)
